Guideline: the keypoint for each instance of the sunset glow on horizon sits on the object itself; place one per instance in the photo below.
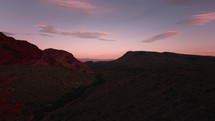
(106, 29)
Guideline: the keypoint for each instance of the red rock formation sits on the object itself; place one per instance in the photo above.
(8, 110)
(16, 52)
(61, 58)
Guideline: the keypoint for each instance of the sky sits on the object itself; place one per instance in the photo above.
(106, 29)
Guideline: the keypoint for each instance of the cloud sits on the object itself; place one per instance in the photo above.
(9, 33)
(189, 2)
(199, 19)
(87, 34)
(41, 34)
(74, 5)
(48, 29)
(28, 34)
(162, 36)
(45, 35)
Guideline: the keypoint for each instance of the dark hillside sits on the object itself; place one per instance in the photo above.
(182, 91)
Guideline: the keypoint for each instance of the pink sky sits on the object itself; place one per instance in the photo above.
(107, 29)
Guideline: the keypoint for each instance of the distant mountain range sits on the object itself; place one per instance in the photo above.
(22, 52)
(93, 60)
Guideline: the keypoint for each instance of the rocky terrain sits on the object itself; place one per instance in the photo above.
(19, 52)
(147, 86)
(16, 51)
(52, 85)
(32, 79)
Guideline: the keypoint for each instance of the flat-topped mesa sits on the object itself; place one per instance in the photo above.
(144, 57)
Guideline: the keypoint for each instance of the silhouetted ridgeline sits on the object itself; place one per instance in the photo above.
(15, 52)
(147, 86)
(47, 85)
(143, 58)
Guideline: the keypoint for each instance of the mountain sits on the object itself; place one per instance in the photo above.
(18, 52)
(32, 80)
(49, 85)
(144, 58)
(93, 60)
(55, 57)
(146, 86)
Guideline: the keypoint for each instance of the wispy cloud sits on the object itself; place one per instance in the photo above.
(45, 35)
(162, 36)
(9, 33)
(28, 34)
(200, 19)
(74, 5)
(49, 29)
(189, 2)
(41, 34)
(87, 34)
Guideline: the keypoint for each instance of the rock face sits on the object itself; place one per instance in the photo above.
(31, 79)
(55, 57)
(16, 52)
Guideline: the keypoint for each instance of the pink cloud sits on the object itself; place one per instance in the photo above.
(200, 19)
(87, 34)
(191, 2)
(45, 35)
(162, 36)
(9, 33)
(75, 5)
(48, 29)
